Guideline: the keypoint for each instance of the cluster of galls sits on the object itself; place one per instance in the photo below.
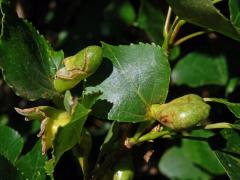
(76, 68)
(181, 113)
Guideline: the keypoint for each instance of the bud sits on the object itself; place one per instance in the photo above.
(78, 67)
(51, 119)
(181, 113)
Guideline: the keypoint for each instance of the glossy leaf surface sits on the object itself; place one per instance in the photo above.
(140, 77)
(27, 60)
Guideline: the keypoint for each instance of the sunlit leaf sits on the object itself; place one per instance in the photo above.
(140, 78)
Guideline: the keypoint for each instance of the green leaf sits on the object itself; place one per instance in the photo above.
(11, 143)
(69, 135)
(200, 153)
(203, 13)
(230, 153)
(27, 60)
(151, 20)
(232, 141)
(233, 107)
(231, 164)
(197, 70)
(32, 164)
(8, 171)
(175, 165)
(140, 78)
(234, 7)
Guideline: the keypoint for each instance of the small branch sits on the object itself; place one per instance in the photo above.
(140, 130)
(153, 135)
(167, 23)
(190, 36)
(222, 125)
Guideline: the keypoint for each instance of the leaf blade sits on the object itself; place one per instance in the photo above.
(11, 143)
(32, 164)
(27, 60)
(194, 69)
(140, 78)
(174, 164)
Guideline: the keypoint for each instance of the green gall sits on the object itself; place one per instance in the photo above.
(51, 119)
(181, 113)
(78, 67)
(124, 168)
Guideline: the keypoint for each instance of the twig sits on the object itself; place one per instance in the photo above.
(190, 36)
(167, 23)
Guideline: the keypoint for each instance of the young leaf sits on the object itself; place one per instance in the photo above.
(28, 62)
(140, 78)
(11, 143)
(32, 164)
(151, 20)
(203, 13)
(175, 165)
(197, 70)
(69, 135)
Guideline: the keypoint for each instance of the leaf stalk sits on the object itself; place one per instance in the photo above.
(190, 36)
